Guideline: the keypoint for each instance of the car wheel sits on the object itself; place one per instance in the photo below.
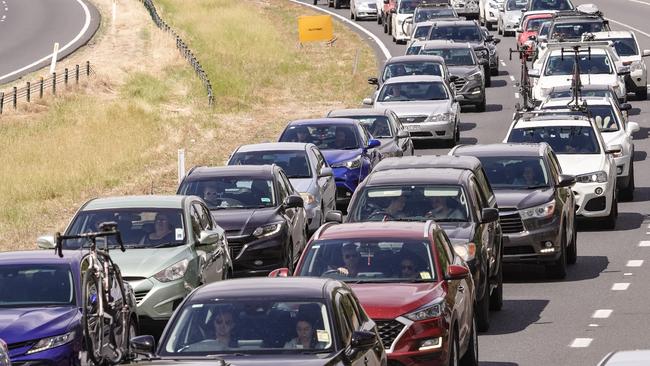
(572, 252)
(385, 25)
(315, 2)
(390, 26)
(496, 298)
(499, 28)
(483, 311)
(330, 3)
(379, 18)
(481, 106)
(489, 26)
(627, 194)
(351, 15)
(558, 270)
(642, 94)
(453, 351)
(495, 71)
(470, 358)
(488, 79)
(610, 220)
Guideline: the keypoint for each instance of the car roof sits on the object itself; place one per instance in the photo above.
(417, 175)
(503, 149)
(154, 201)
(628, 358)
(452, 22)
(429, 161)
(259, 287)
(555, 102)
(71, 257)
(323, 121)
(358, 112)
(252, 171)
(377, 230)
(275, 146)
(413, 58)
(414, 79)
(444, 44)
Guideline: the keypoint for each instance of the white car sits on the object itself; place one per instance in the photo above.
(629, 53)
(399, 28)
(425, 105)
(582, 152)
(363, 9)
(489, 12)
(597, 66)
(421, 31)
(509, 16)
(616, 132)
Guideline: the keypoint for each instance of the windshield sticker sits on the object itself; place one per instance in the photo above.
(425, 275)
(197, 305)
(322, 336)
(179, 234)
(265, 199)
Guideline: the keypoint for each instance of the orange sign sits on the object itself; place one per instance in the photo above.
(315, 28)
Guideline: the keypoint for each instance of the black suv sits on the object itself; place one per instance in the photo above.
(536, 203)
(572, 24)
(262, 214)
(470, 31)
(455, 193)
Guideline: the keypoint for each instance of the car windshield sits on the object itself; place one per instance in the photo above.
(407, 6)
(424, 14)
(457, 33)
(508, 172)
(544, 28)
(413, 91)
(532, 25)
(326, 137)
(138, 227)
(563, 65)
(252, 326)
(567, 31)
(625, 46)
(515, 4)
(36, 285)
(294, 163)
(413, 50)
(603, 115)
(239, 192)
(421, 31)
(377, 126)
(452, 56)
(563, 139)
(411, 68)
(413, 202)
(550, 5)
(371, 260)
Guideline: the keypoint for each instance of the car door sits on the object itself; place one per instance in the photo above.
(352, 323)
(397, 127)
(459, 293)
(215, 256)
(562, 194)
(327, 184)
(494, 228)
(295, 215)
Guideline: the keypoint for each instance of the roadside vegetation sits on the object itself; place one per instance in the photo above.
(119, 132)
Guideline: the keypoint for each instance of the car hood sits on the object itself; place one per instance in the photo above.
(23, 324)
(146, 262)
(463, 71)
(523, 198)
(577, 164)
(337, 156)
(614, 137)
(243, 222)
(301, 184)
(390, 300)
(256, 360)
(458, 230)
(426, 108)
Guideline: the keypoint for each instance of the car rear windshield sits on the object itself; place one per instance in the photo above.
(294, 163)
(452, 56)
(532, 25)
(515, 4)
(139, 227)
(513, 172)
(412, 203)
(407, 6)
(413, 91)
(377, 126)
(36, 285)
(625, 46)
(326, 137)
(260, 326)
(422, 15)
(421, 31)
(563, 139)
(238, 192)
(563, 65)
(550, 5)
(457, 33)
(371, 260)
(412, 68)
(575, 31)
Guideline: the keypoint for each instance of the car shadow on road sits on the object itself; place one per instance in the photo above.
(503, 73)
(640, 155)
(467, 126)
(642, 133)
(468, 141)
(515, 316)
(587, 268)
(634, 112)
(497, 363)
(494, 108)
(498, 83)
(626, 220)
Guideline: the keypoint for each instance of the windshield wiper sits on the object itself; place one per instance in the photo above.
(537, 186)
(166, 245)
(450, 220)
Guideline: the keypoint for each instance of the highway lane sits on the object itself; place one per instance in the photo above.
(29, 29)
(552, 322)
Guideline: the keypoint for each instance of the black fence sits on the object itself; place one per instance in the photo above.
(182, 47)
(37, 89)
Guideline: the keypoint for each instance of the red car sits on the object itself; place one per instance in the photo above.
(529, 27)
(410, 282)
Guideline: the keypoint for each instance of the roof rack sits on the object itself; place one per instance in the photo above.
(566, 113)
(434, 3)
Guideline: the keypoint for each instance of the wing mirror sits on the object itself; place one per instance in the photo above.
(626, 106)
(280, 272)
(373, 81)
(293, 201)
(45, 241)
(334, 216)
(534, 73)
(566, 180)
(489, 215)
(362, 340)
(143, 345)
(613, 149)
(455, 272)
(325, 172)
(632, 127)
(645, 53)
(372, 143)
(403, 134)
(459, 98)
(367, 101)
(208, 237)
(495, 40)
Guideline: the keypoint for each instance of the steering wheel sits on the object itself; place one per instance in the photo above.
(385, 215)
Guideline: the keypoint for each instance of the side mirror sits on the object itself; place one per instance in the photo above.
(645, 53)
(456, 272)
(623, 70)
(566, 180)
(496, 40)
(373, 81)
(534, 73)
(626, 106)
(293, 201)
(403, 134)
(483, 62)
(325, 172)
(367, 101)
(520, 30)
(143, 345)
(208, 237)
(280, 272)
(459, 98)
(45, 241)
(613, 149)
(372, 143)
(489, 38)
(362, 340)
(489, 215)
(334, 216)
(632, 127)
(453, 78)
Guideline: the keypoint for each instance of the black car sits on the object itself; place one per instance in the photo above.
(571, 25)
(261, 212)
(268, 321)
(470, 31)
(536, 203)
(454, 192)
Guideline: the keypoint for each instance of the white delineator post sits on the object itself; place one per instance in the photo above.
(114, 12)
(181, 165)
(55, 53)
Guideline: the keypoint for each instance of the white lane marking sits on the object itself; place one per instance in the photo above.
(602, 314)
(503, 63)
(593, 325)
(68, 45)
(512, 78)
(517, 95)
(644, 243)
(620, 286)
(639, 2)
(629, 26)
(634, 263)
(381, 44)
(581, 342)
(627, 274)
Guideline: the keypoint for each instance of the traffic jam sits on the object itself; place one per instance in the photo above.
(341, 244)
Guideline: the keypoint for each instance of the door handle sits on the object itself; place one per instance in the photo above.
(461, 288)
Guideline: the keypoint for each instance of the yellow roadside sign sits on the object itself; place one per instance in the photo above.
(315, 28)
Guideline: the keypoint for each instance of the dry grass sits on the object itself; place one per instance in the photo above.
(120, 132)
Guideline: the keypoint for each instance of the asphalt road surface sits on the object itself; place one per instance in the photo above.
(603, 304)
(29, 29)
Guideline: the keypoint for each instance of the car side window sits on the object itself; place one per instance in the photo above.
(287, 184)
(394, 124)
(444, 255)
(283, 190)
(319, 160)
(195, 218)
(346, 331)
(483, 198)
(556, 164)
(484, 185)
(350, 312)
(205, 219)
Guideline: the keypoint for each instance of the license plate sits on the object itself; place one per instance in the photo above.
(410, 127)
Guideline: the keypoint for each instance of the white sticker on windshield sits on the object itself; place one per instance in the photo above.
(322, 336)
(179, 234)
(265, 199)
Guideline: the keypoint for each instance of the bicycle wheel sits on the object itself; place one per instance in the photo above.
(92, 319)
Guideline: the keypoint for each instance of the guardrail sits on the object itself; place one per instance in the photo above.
(37, 89)
(182, 47)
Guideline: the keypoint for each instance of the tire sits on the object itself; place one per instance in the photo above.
(557, 271)
(572, 250)
(351, 15)
(483, 311)
(385, 21)
(495, 72)
(488, 79)
(641, 94)
(337, 4)
(470, 358)
(496, 298)
(455, 138)
(91, 318)
(330, 3)
(499, 31)
(627, 194)
(489, 26)
(453, 351)
(390, 25)
(610, 220)
(481, 107)
(315, 2)
(379, 18)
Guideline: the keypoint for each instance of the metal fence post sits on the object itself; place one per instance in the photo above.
(76, 74)
(54, 83)
(40, 89)
(65, 76)
(87, 68)
(29, 92)
(2, 101)
(15, 97)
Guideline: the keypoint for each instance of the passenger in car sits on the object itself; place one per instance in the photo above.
(224, 324)
(162, 233)
(444, 208)
(306, 336)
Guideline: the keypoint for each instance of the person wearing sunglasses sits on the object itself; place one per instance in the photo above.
(351, 261)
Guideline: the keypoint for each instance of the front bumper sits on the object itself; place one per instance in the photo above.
(528, 245)
(404, 350)
(588, 203)
(347, 181)
(431, 130)
(158, 300)
(510, 24)
(254, 256)
(366, 13)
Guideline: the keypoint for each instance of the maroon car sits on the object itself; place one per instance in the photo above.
(410, 282)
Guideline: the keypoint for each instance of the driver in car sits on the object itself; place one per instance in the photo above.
(443, 208)
(352, 261)
(210, 194)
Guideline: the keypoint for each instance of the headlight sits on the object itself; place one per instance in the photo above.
(308, 198)
(476, 76)
(174, 272)
(267, 230)
(51, 342)
(540, 212)
(350, 164)
(439, 117)
(636, 66)
(595, 177)
(428, 311)
(466, 250)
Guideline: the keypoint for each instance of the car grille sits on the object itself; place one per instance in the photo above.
(20, 345)
(525, 249)
(388, 331)
(510, 221)
(235, 249)
(139, 295)
(372, 6)
(459, 84)
(420, 134)
(413, 119)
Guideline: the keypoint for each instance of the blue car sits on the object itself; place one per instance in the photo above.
(346, 146)
(40, 307)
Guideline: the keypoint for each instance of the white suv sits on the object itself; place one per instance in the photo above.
(581, 151)
(403, 11)
(629, 53)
